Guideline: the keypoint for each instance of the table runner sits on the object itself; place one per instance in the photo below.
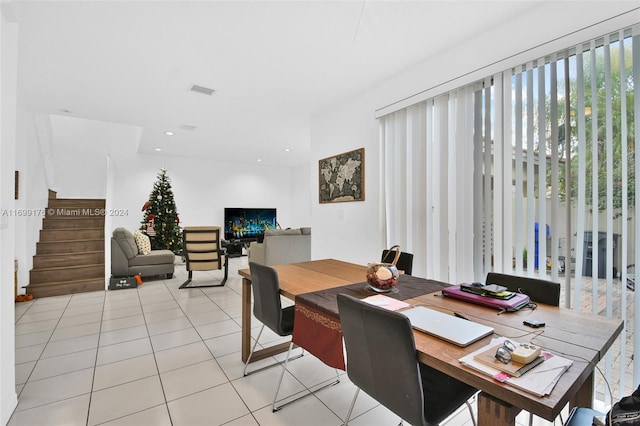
(317, 324)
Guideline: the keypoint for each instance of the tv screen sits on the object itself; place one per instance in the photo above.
(247, 223)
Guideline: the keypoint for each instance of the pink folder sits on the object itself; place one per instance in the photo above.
(516, 302)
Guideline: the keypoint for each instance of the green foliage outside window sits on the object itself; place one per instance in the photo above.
(596, 110)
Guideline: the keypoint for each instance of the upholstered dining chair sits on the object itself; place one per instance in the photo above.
(404, 263)
(382, 361)
(203, 252)
(267, 308)
(538, 290)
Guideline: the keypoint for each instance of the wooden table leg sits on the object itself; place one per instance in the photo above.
(246, 330)
(494, 412)
(584, 396)
(246, 319)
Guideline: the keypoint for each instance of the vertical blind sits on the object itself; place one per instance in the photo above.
(531, 172)
(425, 161)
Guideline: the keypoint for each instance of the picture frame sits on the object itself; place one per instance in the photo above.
(341, 177)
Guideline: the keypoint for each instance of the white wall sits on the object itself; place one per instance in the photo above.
(33, 191)
(348, 231)
(8, 80)
(201, 188)
(301, 201)
(80, 149)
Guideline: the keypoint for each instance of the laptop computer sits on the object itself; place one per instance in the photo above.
(447, 327)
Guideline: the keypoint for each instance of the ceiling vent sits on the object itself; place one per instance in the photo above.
(201, 89)
(186, 127)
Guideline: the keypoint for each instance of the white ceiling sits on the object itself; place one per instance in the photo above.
(272, 64)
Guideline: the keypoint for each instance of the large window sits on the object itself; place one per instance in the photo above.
(532, 172)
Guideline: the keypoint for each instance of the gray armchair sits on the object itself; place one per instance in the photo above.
(282, 246)
(127, 262)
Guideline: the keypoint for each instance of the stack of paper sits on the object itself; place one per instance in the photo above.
(386, 302)
(540, 380)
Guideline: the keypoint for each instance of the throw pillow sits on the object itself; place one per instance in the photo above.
(143, 242)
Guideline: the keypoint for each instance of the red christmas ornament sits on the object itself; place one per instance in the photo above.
(146, 205)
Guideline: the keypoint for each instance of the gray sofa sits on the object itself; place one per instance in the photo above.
(281, 246)
(127, 262)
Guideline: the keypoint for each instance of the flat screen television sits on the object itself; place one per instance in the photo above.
(247, 223)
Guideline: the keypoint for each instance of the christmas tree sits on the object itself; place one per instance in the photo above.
(161, 222)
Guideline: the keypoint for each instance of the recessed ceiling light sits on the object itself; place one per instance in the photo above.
(259, 160)
(158, 149)
(287, 150)
(169, 133)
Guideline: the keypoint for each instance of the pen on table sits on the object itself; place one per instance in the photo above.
(459, 315)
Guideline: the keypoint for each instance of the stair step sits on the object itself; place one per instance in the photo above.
(41, 261)
(59, 288)
(75, 203)
(70, 254)
(66, 273)
(59, 235)
(75, 246)
(68, 222)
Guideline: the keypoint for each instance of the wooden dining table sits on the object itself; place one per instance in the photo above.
(296, 279)
(582, 337)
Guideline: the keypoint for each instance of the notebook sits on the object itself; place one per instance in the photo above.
(513, 304)
(447, 327)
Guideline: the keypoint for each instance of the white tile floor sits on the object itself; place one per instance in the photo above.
(163, 356)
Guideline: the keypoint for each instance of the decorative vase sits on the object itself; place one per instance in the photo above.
(382, 276)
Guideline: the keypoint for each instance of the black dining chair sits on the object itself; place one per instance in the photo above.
(382, 361)
(267, 308)
(538, 290)
(404, 263)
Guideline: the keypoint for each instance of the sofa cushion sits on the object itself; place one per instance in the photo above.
(156, 257)
(142, 242)
(127, 243)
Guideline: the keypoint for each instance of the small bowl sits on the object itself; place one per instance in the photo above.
(382, 276)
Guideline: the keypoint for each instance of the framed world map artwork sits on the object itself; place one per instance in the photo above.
(341, 177)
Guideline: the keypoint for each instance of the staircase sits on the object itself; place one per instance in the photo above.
(70, 254)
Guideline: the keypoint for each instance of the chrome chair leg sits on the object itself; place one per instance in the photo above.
(246, 364)
(253, 348)
(353, 403)
(473, 419)
(284, 368)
